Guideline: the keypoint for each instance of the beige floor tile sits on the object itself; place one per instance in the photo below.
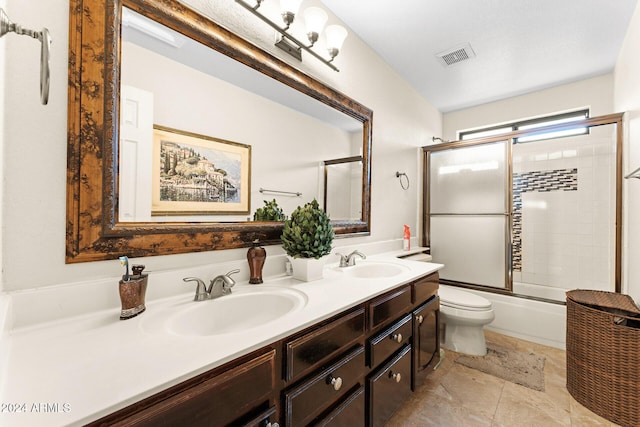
(521, 406)
(581, 416)
(500, 339)
(475, 390)
(454, 396)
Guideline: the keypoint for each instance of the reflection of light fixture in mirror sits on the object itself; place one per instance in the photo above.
(149, 27)
(314, 18)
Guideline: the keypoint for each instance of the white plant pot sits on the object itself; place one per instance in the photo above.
(307, 269)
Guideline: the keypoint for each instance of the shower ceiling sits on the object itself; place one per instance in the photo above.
(521, 46)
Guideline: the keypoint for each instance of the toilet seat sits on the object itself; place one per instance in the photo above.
(462, 300)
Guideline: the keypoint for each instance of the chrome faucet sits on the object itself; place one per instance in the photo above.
(349, 260)
(219, 286)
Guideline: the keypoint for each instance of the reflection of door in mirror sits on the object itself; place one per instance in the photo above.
(172, 81)
(136, 139)
(342, 184)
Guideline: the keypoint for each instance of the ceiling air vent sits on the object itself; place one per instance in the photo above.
(455, 55)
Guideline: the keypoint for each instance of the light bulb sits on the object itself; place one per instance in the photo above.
(289, 8)
(335, 35)
(314, 19)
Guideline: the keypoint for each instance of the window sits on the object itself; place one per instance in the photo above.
(532, 124)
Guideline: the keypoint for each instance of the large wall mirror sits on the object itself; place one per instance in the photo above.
(179, 130)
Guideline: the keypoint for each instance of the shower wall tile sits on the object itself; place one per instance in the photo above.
(566, 234)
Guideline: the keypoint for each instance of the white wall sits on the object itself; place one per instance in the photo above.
(33, 227)
(596, 93)
(3, 71)
(627, 98)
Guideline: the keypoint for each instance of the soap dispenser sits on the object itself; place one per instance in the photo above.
(132, 290)
(256, 256)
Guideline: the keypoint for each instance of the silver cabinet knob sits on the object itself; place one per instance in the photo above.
(396, 377)
(396, 337)
(336, 382)
(268, 424)
(420, 319)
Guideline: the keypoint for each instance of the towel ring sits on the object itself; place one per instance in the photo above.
(399, 175)
(6, 26)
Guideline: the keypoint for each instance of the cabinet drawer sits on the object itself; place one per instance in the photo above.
(425, 288)
(221, 400)
(388, 307)
(389, 387)
(304, 353)
(389, 341)
(264, 419)
(350, 412)
(305, 402)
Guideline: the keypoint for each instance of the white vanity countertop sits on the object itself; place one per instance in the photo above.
(77, 370)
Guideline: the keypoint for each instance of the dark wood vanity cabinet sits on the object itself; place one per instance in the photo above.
(388, 387)
(386, 307)
(353, 369)
(325, 389)
(389, 345)
(324, 365)
(348, 412)
(426, 343)
(308, 350)
(232, 395)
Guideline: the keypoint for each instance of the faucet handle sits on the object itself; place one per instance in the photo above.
(228, 282)
(232, 282)
(357, 252)
(237, 270)
(201, 289)
(343, 259)
(351, 258)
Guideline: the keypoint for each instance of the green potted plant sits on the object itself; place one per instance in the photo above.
(269, 212)
(307, 238)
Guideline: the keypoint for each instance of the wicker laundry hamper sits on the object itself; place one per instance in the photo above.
(603, 354)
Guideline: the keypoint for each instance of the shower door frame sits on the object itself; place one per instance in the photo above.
(610, 119)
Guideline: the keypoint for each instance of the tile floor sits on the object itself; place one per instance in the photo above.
(457, 396)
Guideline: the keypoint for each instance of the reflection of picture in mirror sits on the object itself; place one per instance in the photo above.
(198, 175)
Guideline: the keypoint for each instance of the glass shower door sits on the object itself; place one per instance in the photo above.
(469, 213)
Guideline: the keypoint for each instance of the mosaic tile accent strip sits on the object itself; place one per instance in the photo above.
(539, 181)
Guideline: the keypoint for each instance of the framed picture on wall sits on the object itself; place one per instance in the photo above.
(199, 175)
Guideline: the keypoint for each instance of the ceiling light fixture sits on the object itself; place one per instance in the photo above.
(314, 19)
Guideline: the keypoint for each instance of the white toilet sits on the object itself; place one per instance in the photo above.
(463, 315)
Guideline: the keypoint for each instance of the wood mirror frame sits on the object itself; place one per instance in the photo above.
(93, 230)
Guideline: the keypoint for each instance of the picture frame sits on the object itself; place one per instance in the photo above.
(199, 175)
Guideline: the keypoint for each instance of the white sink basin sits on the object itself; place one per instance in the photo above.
(373, 270)
(235, 312)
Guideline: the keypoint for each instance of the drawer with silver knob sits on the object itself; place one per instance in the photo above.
(388, 387)
(317, 394)
(384, 344)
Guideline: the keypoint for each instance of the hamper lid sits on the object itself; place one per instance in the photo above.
(604, 299)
